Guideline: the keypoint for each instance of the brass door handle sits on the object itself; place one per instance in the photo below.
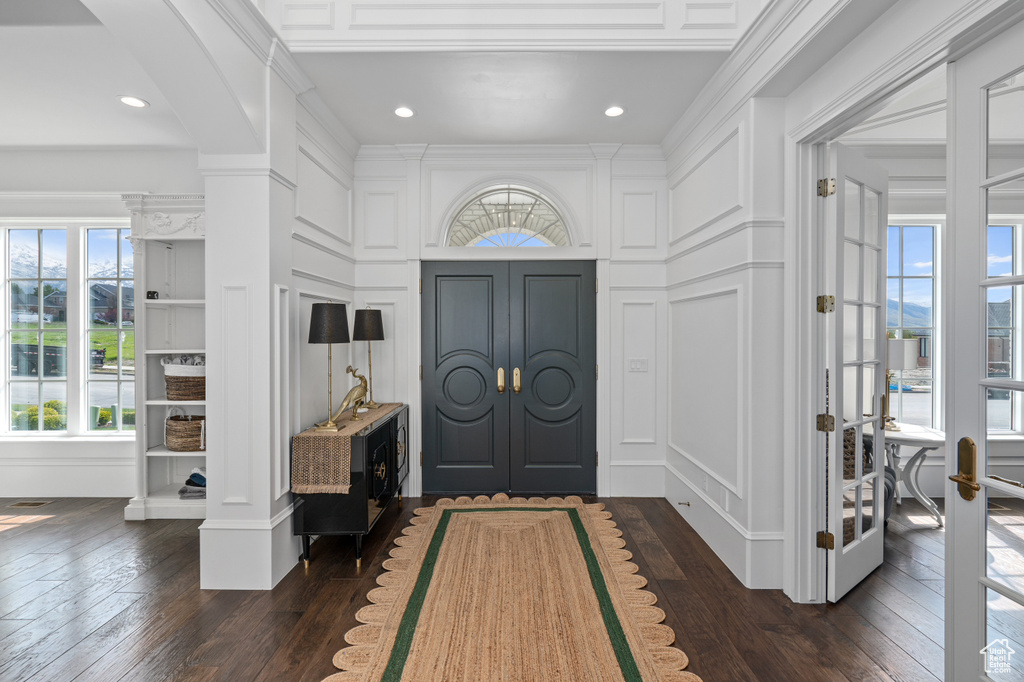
(501, 380)
(963, 480)
(380, 470)
(967, 464)
(516, 380)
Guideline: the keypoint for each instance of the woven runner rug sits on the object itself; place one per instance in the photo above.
(515, 590)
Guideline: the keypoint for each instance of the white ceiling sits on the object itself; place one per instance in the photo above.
(510, 97)
(61, 84)
(61, 73)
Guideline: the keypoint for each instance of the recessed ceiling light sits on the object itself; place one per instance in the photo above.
(404, 112)
(134, 102)
(614, 111)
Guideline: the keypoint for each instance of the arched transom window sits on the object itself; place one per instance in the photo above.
(507, 215)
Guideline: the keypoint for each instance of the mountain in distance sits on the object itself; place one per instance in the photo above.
(914, 315)
(24, 258)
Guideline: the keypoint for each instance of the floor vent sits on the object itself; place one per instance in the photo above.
(28, 505)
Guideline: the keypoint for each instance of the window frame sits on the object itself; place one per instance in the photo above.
(937, 224)
(77, 335)
(1016, 223)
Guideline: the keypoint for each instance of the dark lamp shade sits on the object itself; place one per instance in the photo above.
(328, 323)
(369, 326)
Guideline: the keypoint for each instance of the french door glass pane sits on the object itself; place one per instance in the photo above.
(851, 333)
(1004, 634)
(853, 213)
(999, 409)
(850, 393)
(1004, 539)
(871, 258)
(55, 304)
(871, 201)
(24, 406)
(55, 253)
(1001, 304)
(1000, 250)
(851, 272)
(1005, 123)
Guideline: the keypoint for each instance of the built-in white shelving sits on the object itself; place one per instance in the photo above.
(168, 235)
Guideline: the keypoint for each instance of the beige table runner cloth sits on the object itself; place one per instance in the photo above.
(322, 460)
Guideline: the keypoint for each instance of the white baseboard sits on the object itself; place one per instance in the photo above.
(114, 477)
(247, 555)
(754, 558)
(637, 479)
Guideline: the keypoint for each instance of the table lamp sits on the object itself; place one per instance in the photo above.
(369, 327)
(328, 323)
(901, 354)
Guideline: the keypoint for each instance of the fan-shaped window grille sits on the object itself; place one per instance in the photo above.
(508, 216)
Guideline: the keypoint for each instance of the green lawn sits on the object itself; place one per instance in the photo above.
(98, 338)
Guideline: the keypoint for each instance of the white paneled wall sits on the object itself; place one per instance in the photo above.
(618, 211)
(725, 311)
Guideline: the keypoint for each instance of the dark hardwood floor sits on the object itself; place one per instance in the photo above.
(85, 595)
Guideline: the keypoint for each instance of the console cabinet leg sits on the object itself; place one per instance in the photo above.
(359, 551)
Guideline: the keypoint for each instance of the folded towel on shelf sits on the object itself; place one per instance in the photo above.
(199, 470)
(197, 480)
(191, 492)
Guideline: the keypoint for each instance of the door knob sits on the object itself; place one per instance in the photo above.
(517, 378)
(501, 380)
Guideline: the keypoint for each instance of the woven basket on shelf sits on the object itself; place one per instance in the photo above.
(185, 432)
(185, 382)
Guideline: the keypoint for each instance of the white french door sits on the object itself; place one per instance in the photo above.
(985, 285)
(858, 217)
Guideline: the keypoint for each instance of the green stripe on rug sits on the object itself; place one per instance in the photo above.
(410, 619)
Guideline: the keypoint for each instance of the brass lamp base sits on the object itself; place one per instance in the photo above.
(328, 425)
(371, 405)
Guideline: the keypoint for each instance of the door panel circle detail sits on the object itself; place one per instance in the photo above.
(464, 387)
(553, 386)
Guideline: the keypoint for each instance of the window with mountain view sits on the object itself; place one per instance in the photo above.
(111, 290)
(70, 341)
(910, 297)
(37, 329)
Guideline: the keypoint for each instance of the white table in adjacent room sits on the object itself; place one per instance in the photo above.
(924, 439)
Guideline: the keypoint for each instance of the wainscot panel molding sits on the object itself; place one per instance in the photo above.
(712, 189)
(380, 218)
(237, 408)
(707, 335)
(280, 388)
(636, 421)
(766, 231)
(323, 198)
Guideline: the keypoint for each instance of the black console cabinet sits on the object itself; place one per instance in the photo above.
(380, 464)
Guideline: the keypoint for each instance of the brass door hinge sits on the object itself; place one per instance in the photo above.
(826, 423)
(826, 540)
(421, 372)
(597, 458)
(826, 187)
(597, 371)
(596, 287)
(421, 285)
(421, 458)
(826, 304)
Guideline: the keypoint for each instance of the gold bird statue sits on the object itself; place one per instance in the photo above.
(354, 398)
